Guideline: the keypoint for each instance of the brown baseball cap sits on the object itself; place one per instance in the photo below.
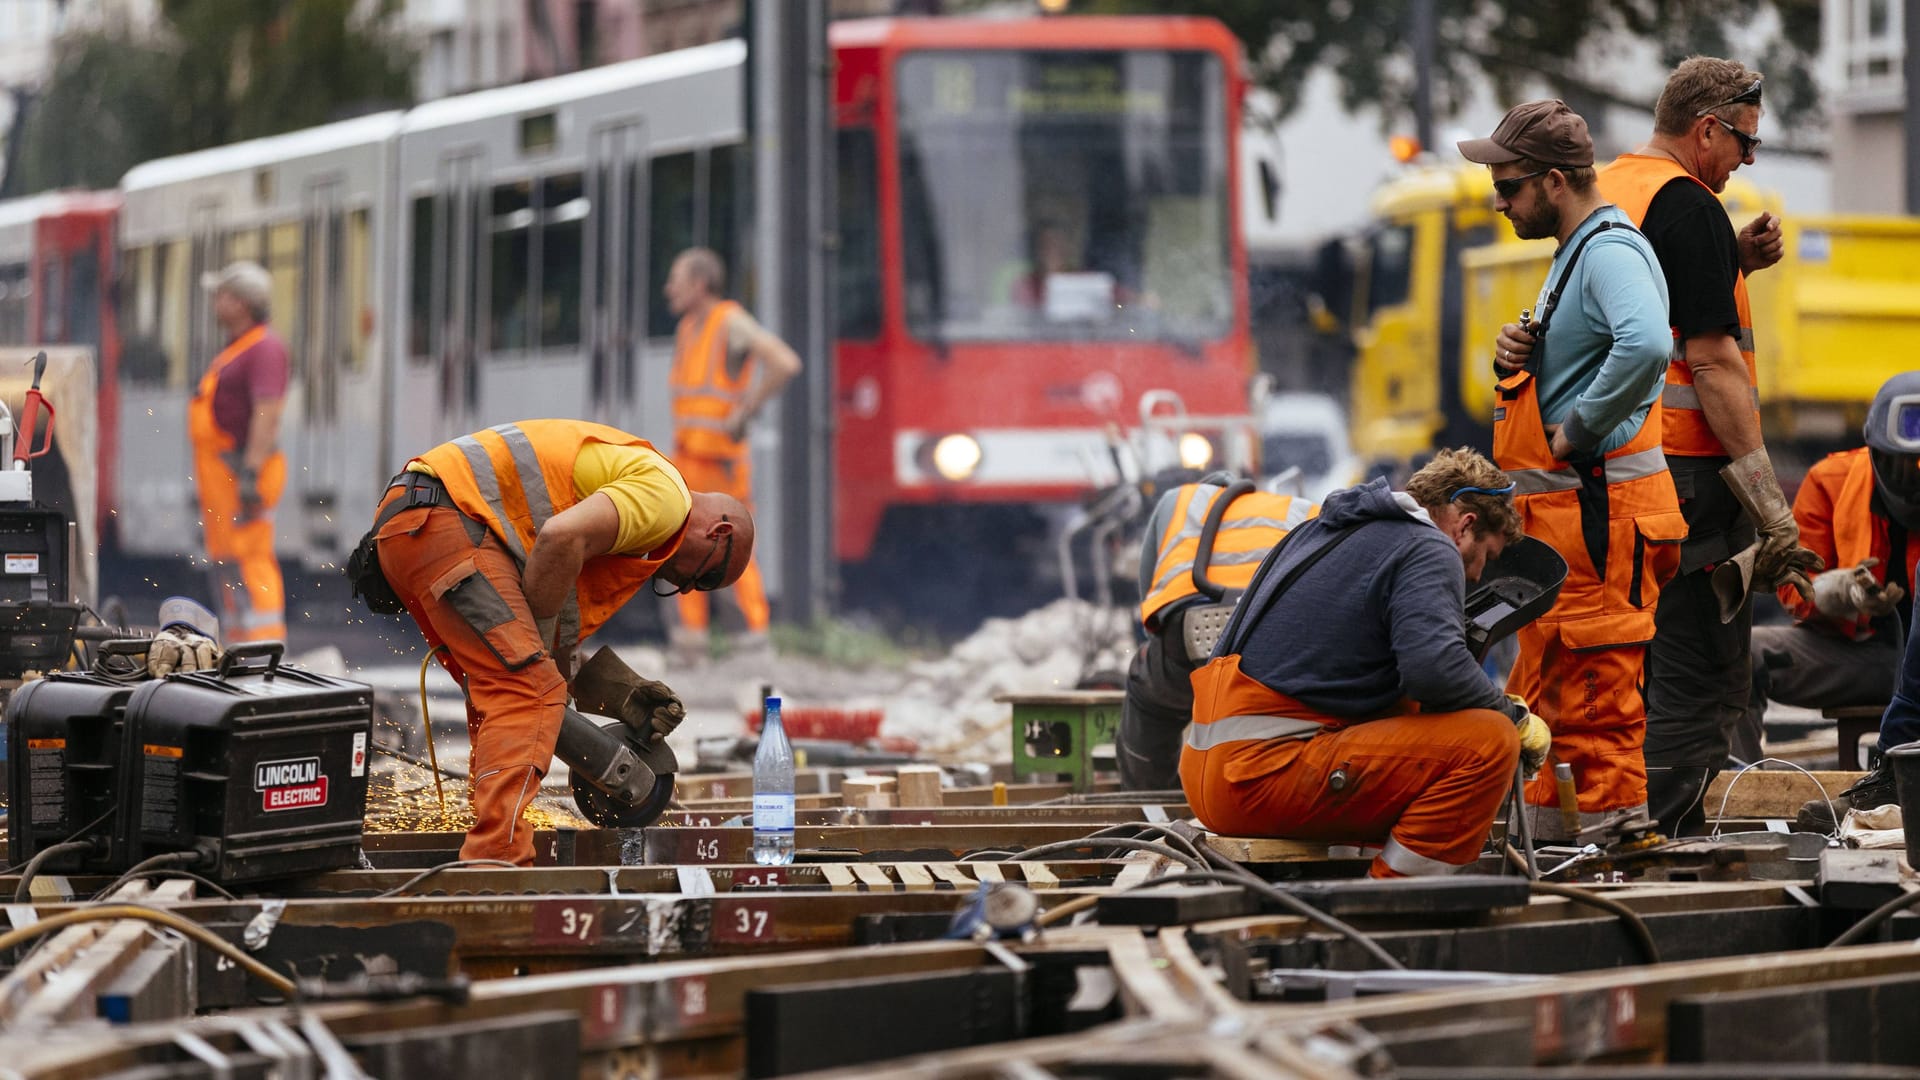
(1544, 131)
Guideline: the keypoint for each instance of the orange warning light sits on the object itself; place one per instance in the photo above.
(1404, 148)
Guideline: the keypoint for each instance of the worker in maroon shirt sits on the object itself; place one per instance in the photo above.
(234, 421)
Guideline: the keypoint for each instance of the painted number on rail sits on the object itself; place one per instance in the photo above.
(565, 924)
(743, 923)
(762, 877)
(706, 848)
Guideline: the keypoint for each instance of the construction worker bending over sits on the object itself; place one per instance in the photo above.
(725, 368)
(510, 546)
(1860, 512)
(1342, 702)
(1159, 698)
(1698, 674)
(1577, 428)
(234, 424)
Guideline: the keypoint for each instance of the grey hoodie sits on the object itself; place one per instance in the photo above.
(1379, 618)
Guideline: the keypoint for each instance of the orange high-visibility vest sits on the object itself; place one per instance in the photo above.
(703, 395)
(1837, 522)
(514, 477)
(1249, 528)
(1630, 183)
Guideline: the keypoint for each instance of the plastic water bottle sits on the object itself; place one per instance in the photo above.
(773, 791)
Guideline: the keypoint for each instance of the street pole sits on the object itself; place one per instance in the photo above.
(1423, 34)
(793, 200)
(1910, 127)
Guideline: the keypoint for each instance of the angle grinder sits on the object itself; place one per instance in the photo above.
(622, 777)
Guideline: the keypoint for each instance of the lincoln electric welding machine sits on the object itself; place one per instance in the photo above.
(37, 612)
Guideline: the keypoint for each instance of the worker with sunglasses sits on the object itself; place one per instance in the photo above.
(511, 545)
(1577, 428)
(1741, 534)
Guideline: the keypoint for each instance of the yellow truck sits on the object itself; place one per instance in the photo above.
(1439, 272)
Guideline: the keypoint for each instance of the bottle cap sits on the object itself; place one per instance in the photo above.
(773, 703)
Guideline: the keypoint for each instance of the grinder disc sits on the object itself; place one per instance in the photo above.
(603, 810)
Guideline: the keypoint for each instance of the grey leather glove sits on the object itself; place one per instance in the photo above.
(1781, 560)
(178, 649)
(1848, 593)
(661, 705)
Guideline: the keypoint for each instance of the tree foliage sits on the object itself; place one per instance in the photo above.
(209, 72)
(1566, 44)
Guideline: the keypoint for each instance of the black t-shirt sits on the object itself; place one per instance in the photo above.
(1689, 231)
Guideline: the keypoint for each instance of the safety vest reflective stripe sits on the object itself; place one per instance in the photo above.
(1635, 466)
(1220, 558)
(1686, 396)
(1412, 863)
(1232, 729)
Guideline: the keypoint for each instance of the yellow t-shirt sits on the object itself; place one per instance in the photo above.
(647, 491)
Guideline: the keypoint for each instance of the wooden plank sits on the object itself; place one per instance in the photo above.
(1038, 876)
(839, 877)
(919, 785)
(872, 876)
(988, 871)
(1771, 793)
(1262, 849)
(951, 874)
(914, 876)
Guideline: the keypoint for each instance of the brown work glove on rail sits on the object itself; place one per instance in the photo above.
(660, 705)
(1781, 560)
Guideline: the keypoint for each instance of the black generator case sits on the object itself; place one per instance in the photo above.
(258, 767)
(64, 735)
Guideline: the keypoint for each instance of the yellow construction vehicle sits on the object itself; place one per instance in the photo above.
(1439, 271)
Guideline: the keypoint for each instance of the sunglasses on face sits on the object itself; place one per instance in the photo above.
(1510, 186)
(1749, 96)
(1748, 143)
(709, 576)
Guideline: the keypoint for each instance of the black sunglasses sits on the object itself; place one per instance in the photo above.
(1510, 186)
(708, 577)
(1749, 96)
(1748, 143)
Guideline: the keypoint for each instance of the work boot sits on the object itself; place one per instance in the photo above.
(1873, 790)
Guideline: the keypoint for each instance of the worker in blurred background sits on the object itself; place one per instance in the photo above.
(234, 424)
(510, 546)
(1860, 512)
(1698, 673)
(1577, 428)
(1304, 721)
(726, 367)
(1159, 698)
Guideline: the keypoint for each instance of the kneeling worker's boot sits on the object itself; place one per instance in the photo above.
(1873, 790)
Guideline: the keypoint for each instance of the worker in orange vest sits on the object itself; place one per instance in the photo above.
(510, 546)
(1159, 699)
(1698, 673)
(1577, 428)
(726, 367)
(234, 424)
(1859, 510)
(1342, 702)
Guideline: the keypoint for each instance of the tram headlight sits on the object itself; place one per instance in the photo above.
(1196, 451)
(955, 457)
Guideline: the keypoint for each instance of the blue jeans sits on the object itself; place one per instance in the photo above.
(1901, 722)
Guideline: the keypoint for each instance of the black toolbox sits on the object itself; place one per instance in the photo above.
(64, 735)
(259, 768)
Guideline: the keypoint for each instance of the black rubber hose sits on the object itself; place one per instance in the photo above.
(1291, 903)
(23, 892)
(157, 862)
(1203, 552)
(1636, 926)
(1874, 918)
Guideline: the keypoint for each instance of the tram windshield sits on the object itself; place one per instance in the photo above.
(1060, 195)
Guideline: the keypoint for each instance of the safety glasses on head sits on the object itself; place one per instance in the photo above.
(1510, 186)
(1749, 144)
(709, 576)
(1903, 422)
(1467, 490)
(1749, 96)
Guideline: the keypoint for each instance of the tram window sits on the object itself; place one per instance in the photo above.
(857, 302)
(172, 269)
(723, 218)
(354, 305)
(53, 326)
(420, 329)
(1390, 272)
(670, 221)
(563, 214)
(142, 359)
(244, 244)
(285, 264)
(13, 304)
(83, 299)
(512, 229)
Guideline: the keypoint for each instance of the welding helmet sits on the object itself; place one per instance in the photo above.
(1893, 441)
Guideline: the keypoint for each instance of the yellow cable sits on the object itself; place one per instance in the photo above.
(426, 720)
(167, 919)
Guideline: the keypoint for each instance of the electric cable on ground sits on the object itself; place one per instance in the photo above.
(207, 883)
(23, 892)
(426, 721)
(167, 860)
(1121, 842)
(1287, 900)
(77, 833)
(110, 912)
(431, 871)
(1636, 926)
(1874, 918)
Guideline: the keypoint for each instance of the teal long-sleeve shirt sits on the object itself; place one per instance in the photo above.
(1608, 342)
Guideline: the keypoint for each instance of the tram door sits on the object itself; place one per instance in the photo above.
(458, 285)
(615, 277)
(327, 451)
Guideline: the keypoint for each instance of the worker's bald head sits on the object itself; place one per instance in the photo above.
(716, 546)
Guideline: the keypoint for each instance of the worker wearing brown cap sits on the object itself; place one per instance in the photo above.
(234, 423)
(1577, 428)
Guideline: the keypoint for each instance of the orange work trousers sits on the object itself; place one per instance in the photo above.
(248, 592)
(1594, 700)
(1427, 784)
(463, 589)
(728, 476)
